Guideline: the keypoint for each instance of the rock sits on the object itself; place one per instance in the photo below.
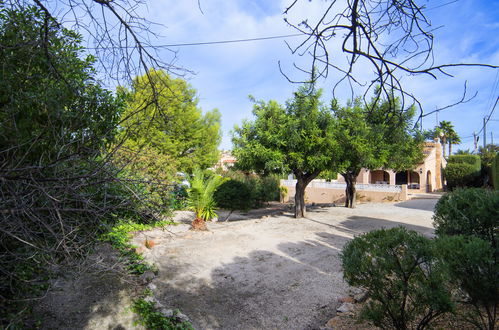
(150, 299)
(347, 299)
(360, 297)
(167, 312)
(152, 286)
(147, 277)
(332, 323)
(182, 317)
(345, 308)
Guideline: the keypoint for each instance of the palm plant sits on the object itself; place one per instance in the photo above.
(201, 199)
(453, 138)
(446, 133)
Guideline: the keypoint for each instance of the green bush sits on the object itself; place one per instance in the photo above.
(233, 195)
(463, 171)
(262, 189)
(398, 269)
(495, 172)
(469, 212)
(472, 267)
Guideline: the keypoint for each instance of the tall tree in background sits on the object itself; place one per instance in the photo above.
(373, 139)
(453, 139)
(173, 131)
(297, 138)
(446, 133)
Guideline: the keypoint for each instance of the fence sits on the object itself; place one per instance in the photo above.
(334, 192)
(340, 185)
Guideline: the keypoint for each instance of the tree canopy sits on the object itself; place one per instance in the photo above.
(374, 138)
(173, 130)
(297, 138)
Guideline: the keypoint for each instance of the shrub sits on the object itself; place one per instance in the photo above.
(495, 172)
(262, 189)
(398, 269)
(463, 171)
(471, 211)
(472, 265)
(233, 195)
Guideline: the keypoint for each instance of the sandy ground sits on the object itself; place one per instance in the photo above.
(267, 270)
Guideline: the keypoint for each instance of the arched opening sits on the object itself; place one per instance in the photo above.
(429, 187)
(410, 178)
(379, 177)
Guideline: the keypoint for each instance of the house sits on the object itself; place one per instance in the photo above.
(425, 177)
(226, 160)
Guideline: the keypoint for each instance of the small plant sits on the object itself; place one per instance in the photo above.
(119, 237)
(405, 283)
(201, 198)
(153, 319)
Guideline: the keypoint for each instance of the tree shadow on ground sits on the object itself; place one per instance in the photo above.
(96, 294)
(296, 287)
(419, 204)
(361, 224)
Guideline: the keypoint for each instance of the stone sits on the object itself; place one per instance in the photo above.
(147, 277)
(182, 317)
(347, 299)
(332, 323)
(152, 286)
(360, 297)
(166, 312)
(345, 308)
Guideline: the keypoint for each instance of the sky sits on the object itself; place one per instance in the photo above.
(225, 74)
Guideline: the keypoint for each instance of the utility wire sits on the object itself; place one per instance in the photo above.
(208, 42)
(490, 115)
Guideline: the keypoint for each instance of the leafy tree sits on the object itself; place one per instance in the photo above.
(297, 138)
(373, 140)
(58, 189)
(175, 133)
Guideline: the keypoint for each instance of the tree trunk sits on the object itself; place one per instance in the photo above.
(302, 181)
(350, 196)
(450, 148)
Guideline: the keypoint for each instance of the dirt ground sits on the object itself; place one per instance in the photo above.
(265, 269)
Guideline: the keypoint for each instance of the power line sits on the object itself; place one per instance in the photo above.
(487, 118)
(208, 42)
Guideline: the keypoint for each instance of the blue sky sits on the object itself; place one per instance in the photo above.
(225, 74)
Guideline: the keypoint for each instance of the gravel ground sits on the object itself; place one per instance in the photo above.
(267, 270)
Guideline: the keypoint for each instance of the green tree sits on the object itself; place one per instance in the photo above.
(173, 128)
(297, 138)
(373, 138)
(58, 189)
(446, 133)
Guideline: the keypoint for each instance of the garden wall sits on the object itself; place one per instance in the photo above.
(325, 192)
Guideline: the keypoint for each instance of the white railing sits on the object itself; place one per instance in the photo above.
(341, 185)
